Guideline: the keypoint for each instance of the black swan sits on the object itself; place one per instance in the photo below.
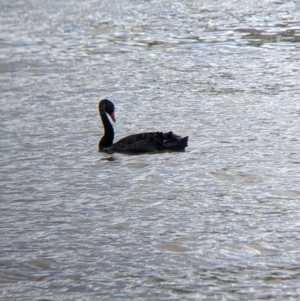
(144, 142)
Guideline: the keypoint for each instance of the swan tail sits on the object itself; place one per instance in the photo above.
(174, 142)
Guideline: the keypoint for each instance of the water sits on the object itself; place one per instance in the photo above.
(219, 221)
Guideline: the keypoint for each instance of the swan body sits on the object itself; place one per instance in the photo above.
(138, 143)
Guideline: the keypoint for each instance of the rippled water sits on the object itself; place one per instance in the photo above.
(219, 221)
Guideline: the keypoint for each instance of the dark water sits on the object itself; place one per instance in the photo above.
(219, 221)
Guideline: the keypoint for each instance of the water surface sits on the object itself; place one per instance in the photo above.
(219, 221)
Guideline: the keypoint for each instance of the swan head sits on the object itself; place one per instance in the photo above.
(108, 107)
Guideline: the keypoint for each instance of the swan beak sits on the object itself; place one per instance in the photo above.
(112, 116)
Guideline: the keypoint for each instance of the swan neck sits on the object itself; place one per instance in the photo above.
(108, 136)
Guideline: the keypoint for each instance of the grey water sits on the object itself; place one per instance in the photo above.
(220, 221)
